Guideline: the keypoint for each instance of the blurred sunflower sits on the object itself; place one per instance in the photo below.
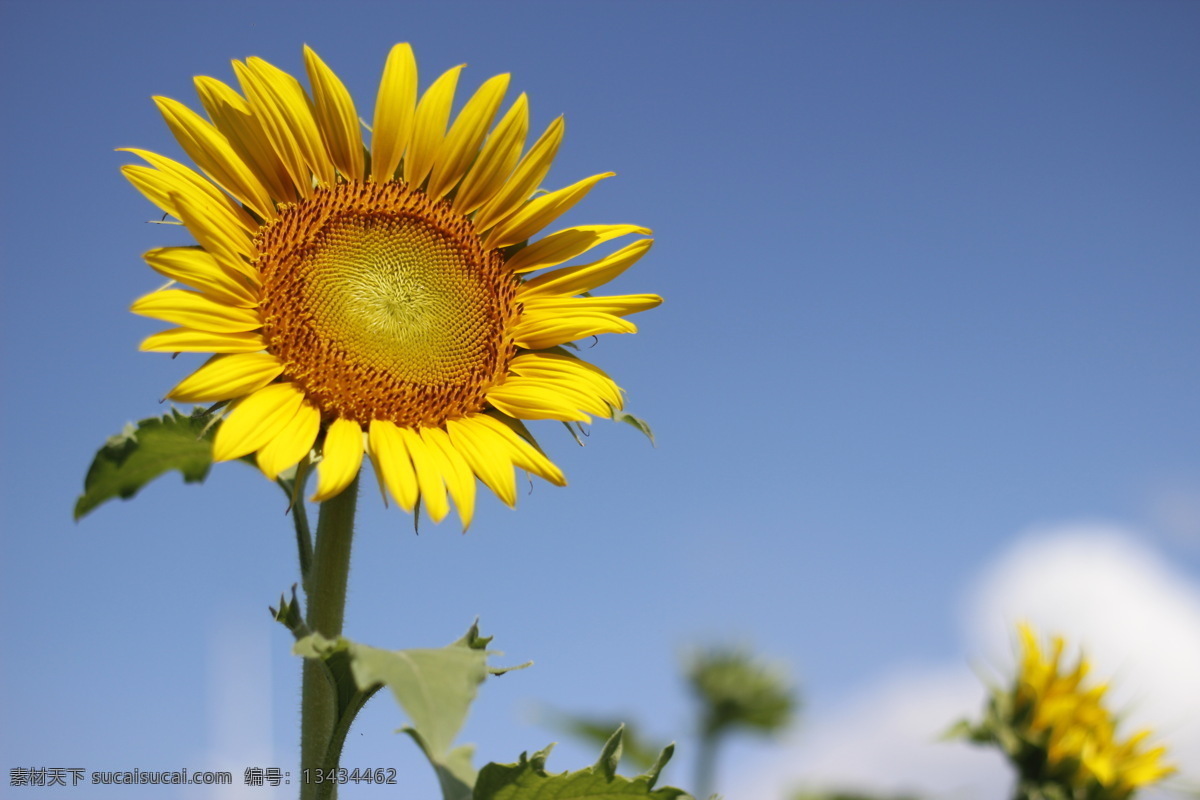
(1072, 727)
(378, 299)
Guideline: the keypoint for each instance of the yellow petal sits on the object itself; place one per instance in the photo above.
(486, 457)
(226, 377)
(336, 117)
(429, 477)
(232, 250)
(154, 185)
(234, 118)
(194, 310)
(256, 420)
(276, 129)
(569, 371)
(460, 481)
(189, 340)
(393, 463)
(290, 102)
(575, 280)
(536, 332)
(429, 126)
(552, 250)
(393, 112)
(496, 160)
(525, 398)
(211, 151)
(466, 135)
(341, 459)
(198, 269)
(292, 443)
(168, 191)
(523, 454)
(187, 181)
(524, 180)
(540, 212)
(619, 305)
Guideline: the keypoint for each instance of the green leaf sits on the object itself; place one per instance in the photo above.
(637, 750)
(142, 452)
(454, 771)
(528, 780)
(435, 687)
(290, 615)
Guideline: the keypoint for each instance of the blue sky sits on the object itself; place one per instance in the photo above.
(931, 284)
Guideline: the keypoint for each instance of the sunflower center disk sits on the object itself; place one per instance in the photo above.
(383, 305)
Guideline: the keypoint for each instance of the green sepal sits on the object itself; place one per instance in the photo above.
(629, 419)
(142, 452)
(527, 779)
(961, 730)
(582, 431)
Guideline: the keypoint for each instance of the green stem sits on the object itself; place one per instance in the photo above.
(706, 763)
(294, 490)
(326, 590)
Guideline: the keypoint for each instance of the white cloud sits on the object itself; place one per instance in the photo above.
(886, 740)
(1138, 618)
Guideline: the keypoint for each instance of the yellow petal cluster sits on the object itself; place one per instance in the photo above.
(276, 160)
(1069, 717)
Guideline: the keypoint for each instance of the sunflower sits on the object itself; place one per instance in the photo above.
(380, 299)
(1068, 718)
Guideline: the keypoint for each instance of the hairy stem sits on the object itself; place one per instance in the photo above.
(326, 589)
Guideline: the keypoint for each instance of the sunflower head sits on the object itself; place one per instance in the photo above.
(1055, 727)
(394, 299)
(1068, 717)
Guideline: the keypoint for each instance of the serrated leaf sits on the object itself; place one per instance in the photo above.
(610, 756)
(435, 686)
(528, 780)
(652, 773)
(142, 452)
(634, 748)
